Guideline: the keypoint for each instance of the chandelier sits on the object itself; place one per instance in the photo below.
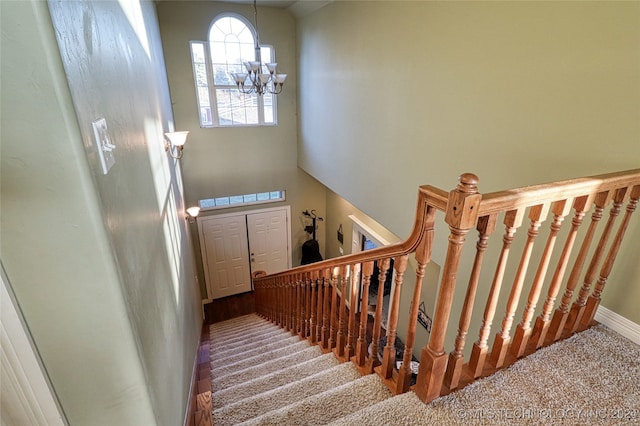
(255, 80)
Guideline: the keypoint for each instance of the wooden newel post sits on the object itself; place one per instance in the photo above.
(461, 216)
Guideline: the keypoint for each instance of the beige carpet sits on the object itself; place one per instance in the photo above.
(590, 378)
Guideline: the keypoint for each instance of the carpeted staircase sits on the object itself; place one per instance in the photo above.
(262, 375)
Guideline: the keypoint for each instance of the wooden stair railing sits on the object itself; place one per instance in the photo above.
(327, 301)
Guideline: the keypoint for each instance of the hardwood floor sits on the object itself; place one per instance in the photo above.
(229, 307)
(200, 406)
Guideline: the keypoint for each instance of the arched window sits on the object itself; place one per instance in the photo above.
(231, 43)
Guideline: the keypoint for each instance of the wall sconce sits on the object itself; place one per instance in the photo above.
(175, 143)
(192, 214)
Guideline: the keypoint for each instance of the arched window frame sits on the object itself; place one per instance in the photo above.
(220, 104)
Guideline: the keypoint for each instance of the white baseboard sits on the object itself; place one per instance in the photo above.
(619, 324)
(188, 411)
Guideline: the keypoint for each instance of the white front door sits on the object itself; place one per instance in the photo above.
(269, 241)
(234, 245)
(224, 253)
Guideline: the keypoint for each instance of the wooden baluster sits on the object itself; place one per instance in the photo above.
(461, 216)
(423, 257)
(296, 313)
(267, 299)
(361, 345)
(285, 302)
(581, 206)
(286, 281)
(256, 293)
(274, 301)
(561, 314)
(333, 328)
(577, 310)
(274, 292)
(285, 296)
(294, 306)
(316, 290)
(279, 302)
(389, 354)
(319, 304)
(303, 305)
(594, 299)
(512, 221)
(256, 296)
(341, 335)
(523, 330)
(353, 303)
(501, 343)
(374, 360)
(262, 299)
(326, 294)
(486, 226)
(309, 305)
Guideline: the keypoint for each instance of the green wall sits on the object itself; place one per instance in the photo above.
(101, 265)
(235, 161)
(517, 92)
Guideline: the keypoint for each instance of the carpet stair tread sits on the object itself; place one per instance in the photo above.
(282, 396)
(242, 363)
(265, 368)
(594, 366)
(253, 348)
(329, 405)
(243, 333)
(273, 380)
(249, 344)
(224, 328)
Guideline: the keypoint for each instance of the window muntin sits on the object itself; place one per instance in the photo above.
(231, 43)
(242, 200)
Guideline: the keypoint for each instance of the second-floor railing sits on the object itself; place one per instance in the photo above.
(326, 302)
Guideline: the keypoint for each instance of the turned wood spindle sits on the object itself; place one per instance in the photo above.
(523, 330)
(423, 257)
(334, 306)
(594, 299)
(512, 221)
(374, 360)
(537, 215)
(351, 324)
(341, 335)
(486, 226)
(361, 344)
(578, 308)
(389, 355)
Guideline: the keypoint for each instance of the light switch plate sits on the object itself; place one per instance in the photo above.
(103, 145)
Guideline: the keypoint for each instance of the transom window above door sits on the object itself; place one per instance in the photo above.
(231, 43)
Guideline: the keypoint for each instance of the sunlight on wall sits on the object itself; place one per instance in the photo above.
(165, 197)
(133, 11)
(172, 240)
(158, 160)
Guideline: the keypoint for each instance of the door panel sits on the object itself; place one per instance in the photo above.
(225, 255)
(269, 241)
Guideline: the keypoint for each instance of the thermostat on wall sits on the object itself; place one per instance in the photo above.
(103, 145)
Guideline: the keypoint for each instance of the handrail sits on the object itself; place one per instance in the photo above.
(493, 202)
(427, 196)
(496, 202)
(311, 300)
